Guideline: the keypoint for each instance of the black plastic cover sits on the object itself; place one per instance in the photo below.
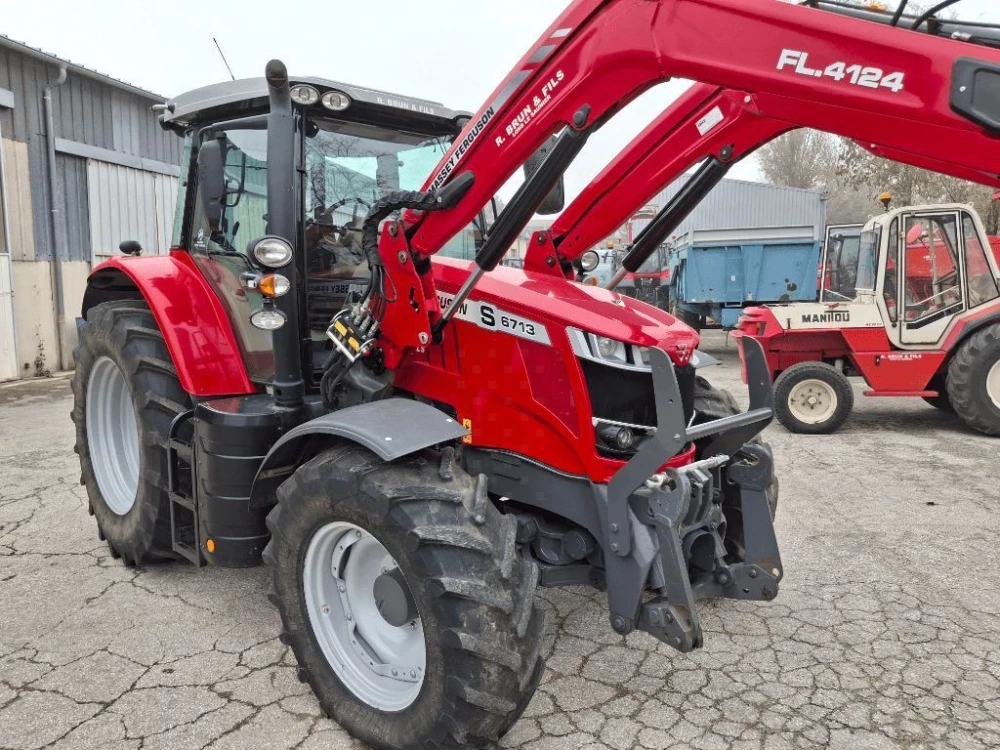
(975, 92)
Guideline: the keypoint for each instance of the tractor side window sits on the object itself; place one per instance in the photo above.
(982, 284)
(177, 239)
(932, 285)
(889, 286)
(221, 253)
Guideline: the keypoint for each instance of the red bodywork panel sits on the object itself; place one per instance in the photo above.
(889, 371)
(526, 396)
(193, 321)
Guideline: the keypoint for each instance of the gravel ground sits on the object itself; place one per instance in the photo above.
(884, 635)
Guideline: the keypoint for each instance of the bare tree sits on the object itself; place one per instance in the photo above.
(801, 159)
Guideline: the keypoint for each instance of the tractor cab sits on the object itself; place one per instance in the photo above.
(352, 146)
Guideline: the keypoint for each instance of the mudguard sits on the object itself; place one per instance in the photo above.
(391, 428)
(191, 318)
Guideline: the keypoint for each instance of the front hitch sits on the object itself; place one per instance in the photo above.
(668, 531)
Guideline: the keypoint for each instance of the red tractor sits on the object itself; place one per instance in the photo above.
(455, 433)
(910, 304)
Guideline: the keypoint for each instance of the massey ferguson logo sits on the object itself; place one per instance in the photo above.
(828, 317)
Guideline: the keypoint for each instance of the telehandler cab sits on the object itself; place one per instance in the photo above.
(456, 434)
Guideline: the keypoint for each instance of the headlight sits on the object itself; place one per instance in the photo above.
(304, 96)
(607, 351)
(610, 349)
(336, 101)
(268, 319)
(272, 252)
(589, 261)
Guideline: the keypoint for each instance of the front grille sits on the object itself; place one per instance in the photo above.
(620, 395)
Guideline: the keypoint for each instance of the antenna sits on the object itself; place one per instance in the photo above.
(224, 60)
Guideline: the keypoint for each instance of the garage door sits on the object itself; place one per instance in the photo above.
(8, 353)
(129, 204)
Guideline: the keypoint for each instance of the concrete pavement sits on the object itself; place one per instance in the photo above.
(886, 633)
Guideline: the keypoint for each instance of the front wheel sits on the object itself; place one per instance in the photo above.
(404, 597)
(974, 381)
(812, 398)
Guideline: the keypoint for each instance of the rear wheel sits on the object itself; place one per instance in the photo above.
(942, 401)
(126, 394)
(812, 398)
(974, 381)
(688, 318)
(405, 600)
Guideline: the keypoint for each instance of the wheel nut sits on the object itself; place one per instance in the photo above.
(326, 610)
(413, 673)
(395, 673)
(342, 588)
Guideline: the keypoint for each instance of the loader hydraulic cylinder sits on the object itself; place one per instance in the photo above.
(670, 217)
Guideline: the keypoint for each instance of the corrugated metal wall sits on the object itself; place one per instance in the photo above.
(129, 204)
(737, 204)
(18, 183)
(86, 111)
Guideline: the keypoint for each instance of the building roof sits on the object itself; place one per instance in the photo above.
(72, 67)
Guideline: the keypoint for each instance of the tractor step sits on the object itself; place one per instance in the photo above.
(185, 524)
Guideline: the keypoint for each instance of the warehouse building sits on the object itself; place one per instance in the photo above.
(741, 204)
(84, 165)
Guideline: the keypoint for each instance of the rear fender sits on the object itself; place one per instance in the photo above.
(191, 318)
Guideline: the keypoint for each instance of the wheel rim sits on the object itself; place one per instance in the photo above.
(113, 436)
(993, 384)
(813, 401)
(381, 664)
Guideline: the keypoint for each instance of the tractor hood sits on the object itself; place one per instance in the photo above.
(548, 299)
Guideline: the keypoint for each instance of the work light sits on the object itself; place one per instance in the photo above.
(272, 252)
(304, 96)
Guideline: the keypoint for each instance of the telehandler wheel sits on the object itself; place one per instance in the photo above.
(813, 398)
(974, 381)
(711, 403)
(403, 595)
(126, 394)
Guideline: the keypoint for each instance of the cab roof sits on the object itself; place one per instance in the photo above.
(248, 96)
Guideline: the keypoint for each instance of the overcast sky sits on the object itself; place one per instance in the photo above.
(451, 51)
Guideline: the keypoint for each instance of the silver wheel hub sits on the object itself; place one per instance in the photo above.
(993, 384)
(112, 436)
(813, 401)
(383, 664)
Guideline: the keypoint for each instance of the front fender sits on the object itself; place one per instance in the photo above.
(190, 315)
(391, 428)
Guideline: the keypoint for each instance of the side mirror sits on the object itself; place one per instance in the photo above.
(553, 202)
(212, 181)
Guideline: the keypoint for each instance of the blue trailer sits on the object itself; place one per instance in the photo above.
(715, 273)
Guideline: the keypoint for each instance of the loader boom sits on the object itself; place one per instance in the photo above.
(905, 95)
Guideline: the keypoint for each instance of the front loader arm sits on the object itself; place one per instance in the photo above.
(890, 88)
(705, 121)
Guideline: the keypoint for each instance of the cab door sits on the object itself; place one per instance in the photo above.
(931, 288)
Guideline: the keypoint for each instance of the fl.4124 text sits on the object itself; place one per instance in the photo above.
(859, 75)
